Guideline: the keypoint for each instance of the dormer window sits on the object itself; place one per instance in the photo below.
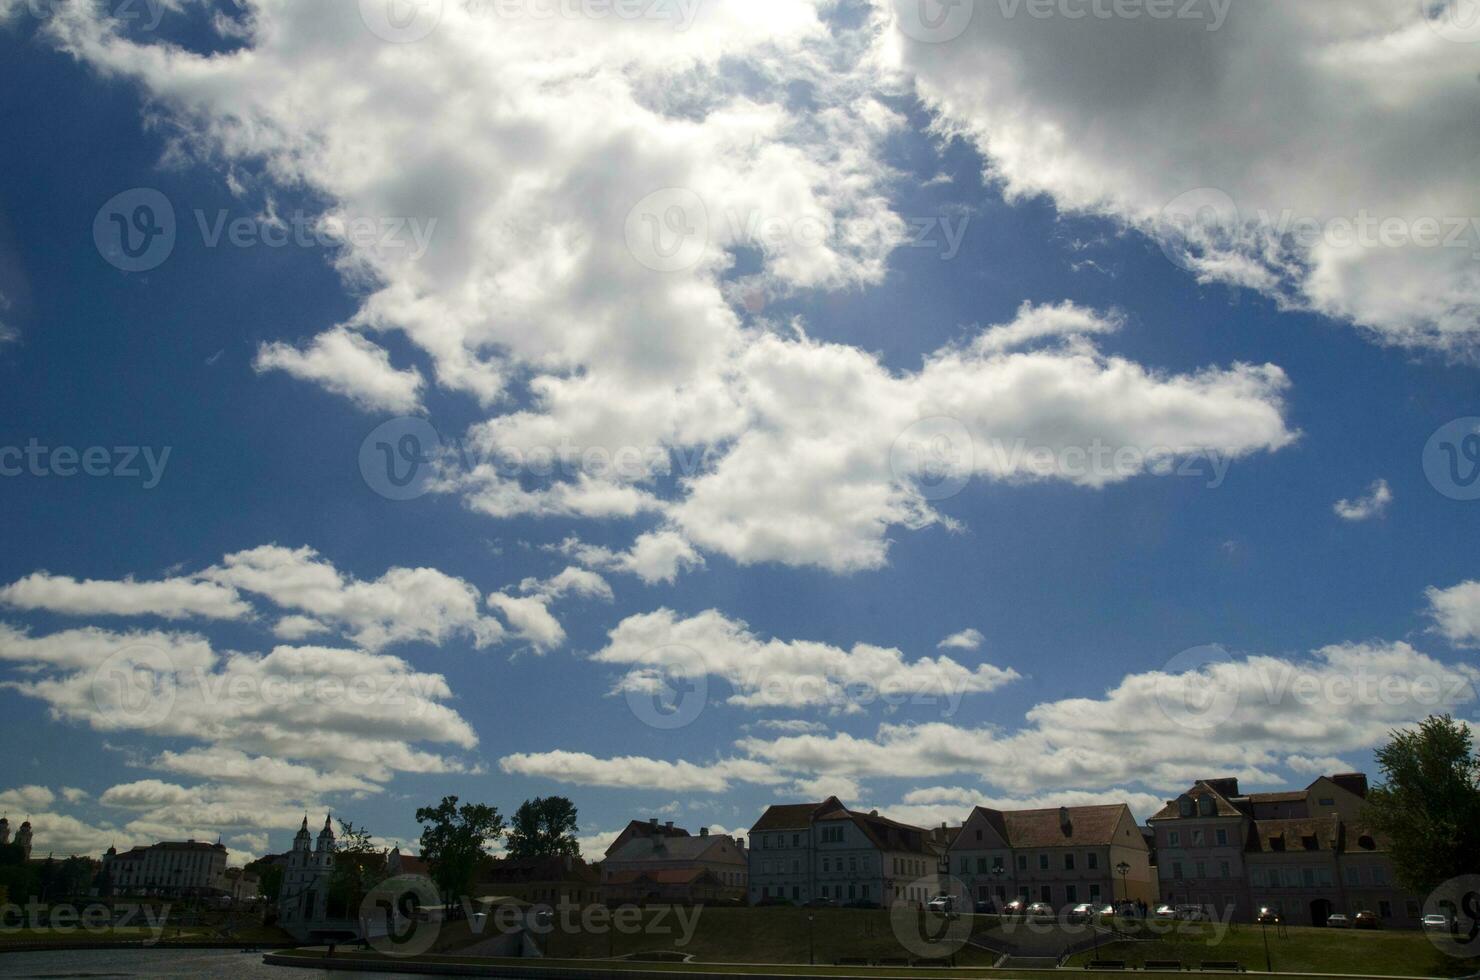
(1184, 806)
(1205, 806)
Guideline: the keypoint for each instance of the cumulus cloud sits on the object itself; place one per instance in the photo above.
(967, 639)
(635, 772)
(1456, 612)
(1228, 717)
(657, 556)
(175, 598)
(1190, 146)
(774, 673)
(1373, 504)
(596, 261)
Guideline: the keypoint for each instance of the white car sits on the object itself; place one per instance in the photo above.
(942, 904)
(1083, 912)
(1165, 912)
(1436, 921)
(1337, 920)
(1041, 910)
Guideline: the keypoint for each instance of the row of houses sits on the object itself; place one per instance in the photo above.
(1305, 854)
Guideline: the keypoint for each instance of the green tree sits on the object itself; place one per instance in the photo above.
(358, 867)
(454, 842)
(269, 879)
(544, 827)
(1428, 807)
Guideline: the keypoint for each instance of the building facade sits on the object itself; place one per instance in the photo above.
(552, 881)
(802, 853)
(676, 867)
(303, 900)
(177, 868)
(1304, 854)
(1062, 856)
(22, 837)
(644, 828)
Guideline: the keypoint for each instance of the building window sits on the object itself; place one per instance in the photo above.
(1092, 860)
(978, 833)
(1176, 869)
(981, 865)
(1379, 876)
(1045, 894)
(1197, 838)
(1223, 838)
(826, 865)
(1068, 862)
(1043, 862)
(1174, 839)
(1326, 801)
(796, 840)
(1071, 893)
(1022, 862)
(1353, 876)
(1094, 893)
(853, 864)
(1385, 909)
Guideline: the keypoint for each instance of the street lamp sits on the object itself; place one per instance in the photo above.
(1122, 869)
(811, 949)
(1264, 928)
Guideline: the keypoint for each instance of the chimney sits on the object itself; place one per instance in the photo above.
(740, 843)
(653, 822)
(703, 831)
(669, 825)
(1065, 824)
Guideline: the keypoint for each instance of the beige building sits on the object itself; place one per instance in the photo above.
(675, 867)
(1304, 854)
(805, 852)
(168, 868)
(1062, 856)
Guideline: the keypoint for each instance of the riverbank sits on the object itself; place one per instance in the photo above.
(546, 969)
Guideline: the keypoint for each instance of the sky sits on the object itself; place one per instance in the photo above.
(688, 405)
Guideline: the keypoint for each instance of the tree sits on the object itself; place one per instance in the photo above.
(544, 827)
(1429, 805)
(358, 867)
(269, 878)
(454, 842)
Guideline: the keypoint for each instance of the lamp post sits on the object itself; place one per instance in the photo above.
(1122, 869)
(1264, 928)
(811, 949)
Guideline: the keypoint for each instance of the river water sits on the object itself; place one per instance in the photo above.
(100, 964)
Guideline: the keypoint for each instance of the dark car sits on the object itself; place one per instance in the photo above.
(1268, 917)
(986, 907)
(1366, 919)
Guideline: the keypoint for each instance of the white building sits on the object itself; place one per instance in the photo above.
(303, 901)
(804, 852)
(168, 868)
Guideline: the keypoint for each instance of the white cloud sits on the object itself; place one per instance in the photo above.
(1373, 504)
(348, 364)
(1133, 743)
(404, 605)
(931, 806)
(24, 799)
(967, 639)
(1324, 766)
(175, 598)
(1122, 117)
(635, 772)
(782, 673)
(1456, 612)
(657, 556)
(539, 266)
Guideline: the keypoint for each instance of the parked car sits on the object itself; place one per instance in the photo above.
(1191, 913)
(1267, 917)
(1165, 912)
(1015, 908)
(821, 903)
(1436, 922)
(986, 906)
(1041, 910)
(1107, 911)
(942, 905)
(1367, 919)
(1082, 912)
(1338, 921)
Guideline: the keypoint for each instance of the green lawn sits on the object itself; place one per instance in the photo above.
(735, 935)
(1381, 952)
